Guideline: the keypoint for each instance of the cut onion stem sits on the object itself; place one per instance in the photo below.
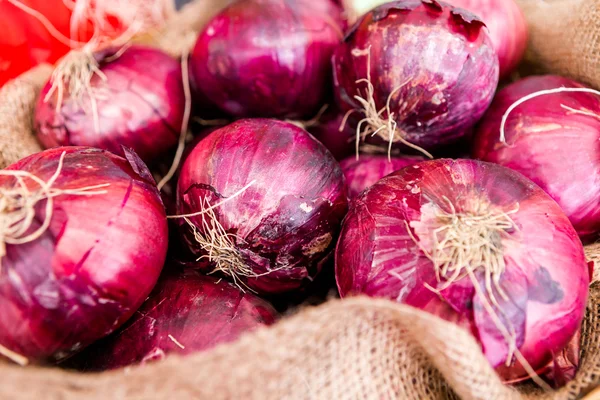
(185, 123)
(538, 94)
(55, 33)
(14, 357)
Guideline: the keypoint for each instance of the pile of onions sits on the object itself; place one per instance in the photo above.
(268, 58)
(263, 201)
(186, 313)
(477, 244)
(135, 99)
(416, 73)
(552, 138)
(507, 25)
(368, 169)
(84, 242)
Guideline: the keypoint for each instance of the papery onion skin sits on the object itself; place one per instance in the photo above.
(507, 26)
(268, 58)
(94, 266)
(546, 273)
(142, 108)
(553, 146)
(186, 313)
(368, 169)
(327, 131)
(287, 219)
(441, 57)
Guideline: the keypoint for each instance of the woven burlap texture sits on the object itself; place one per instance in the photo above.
(17, 103)
(358, 348)
(564, 37)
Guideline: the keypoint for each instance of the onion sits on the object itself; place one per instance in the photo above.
(368, 169)
(552, 139)
(477, 244)
(185, 313)
(263, 202)
(134, 99)
(268, 58)
(419, 73)
(327, 131)
(507, 25)
(85, 239)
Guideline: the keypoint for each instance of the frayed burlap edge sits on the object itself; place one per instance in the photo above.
(359, 348)
(17, 103)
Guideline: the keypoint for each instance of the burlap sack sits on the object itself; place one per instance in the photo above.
(357, 348)
(564, 37)
(17, 103)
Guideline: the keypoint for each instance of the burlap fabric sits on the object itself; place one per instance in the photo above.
(357, 348)
(565, 37)
(17, 103)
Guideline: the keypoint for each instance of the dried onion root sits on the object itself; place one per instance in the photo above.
(380, 122)
(18, 205)
(467, 241)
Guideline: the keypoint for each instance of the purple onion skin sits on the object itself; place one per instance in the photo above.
(287, 221)
(268, 58)
(441, 56)
(546, 276)
(507, 26)
(94, 266)
(368, 169)
(186, 313)
(554, 147)
(142, 109)
(327, 131)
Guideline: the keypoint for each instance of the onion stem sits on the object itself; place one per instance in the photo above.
(55, 33)
(15, 357)
(186, 120)
(533, 96)
(218, 204)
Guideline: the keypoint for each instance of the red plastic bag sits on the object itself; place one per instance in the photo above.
(25, 42)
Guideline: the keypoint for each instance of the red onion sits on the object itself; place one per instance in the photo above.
(553, 139)
(477, 244)
(138, 104)
(268, 58)
(507, 26)
(419, 73)
(266, 200)
(80, 277)
(368, 169)
(327, 131)
(185, 313)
